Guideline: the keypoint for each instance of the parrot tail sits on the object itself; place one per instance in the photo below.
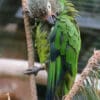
(53, 77)
(51, 82)
(59, 82)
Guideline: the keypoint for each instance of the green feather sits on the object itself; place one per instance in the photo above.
(66, 41)
(41, 43)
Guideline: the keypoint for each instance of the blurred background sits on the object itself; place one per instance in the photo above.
(13, 43)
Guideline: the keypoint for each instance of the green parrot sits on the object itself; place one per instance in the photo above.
(63, 46)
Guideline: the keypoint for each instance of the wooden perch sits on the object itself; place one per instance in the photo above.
(30, 50)
(92, 64)
(17, 68)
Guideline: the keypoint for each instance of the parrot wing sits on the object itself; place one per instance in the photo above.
(64, 51)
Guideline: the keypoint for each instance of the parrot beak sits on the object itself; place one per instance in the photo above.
(51, 18)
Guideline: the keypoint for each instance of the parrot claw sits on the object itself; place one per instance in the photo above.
(33, 70)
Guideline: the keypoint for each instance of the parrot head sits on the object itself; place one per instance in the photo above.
(41, 9)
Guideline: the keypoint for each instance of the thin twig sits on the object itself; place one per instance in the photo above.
(92, 64)
(30, 51)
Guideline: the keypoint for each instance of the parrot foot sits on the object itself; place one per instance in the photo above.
(33, 70)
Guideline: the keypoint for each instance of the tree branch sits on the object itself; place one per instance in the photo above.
(92, 64)
(30, 51)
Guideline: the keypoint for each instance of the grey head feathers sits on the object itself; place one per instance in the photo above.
(37, 8)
